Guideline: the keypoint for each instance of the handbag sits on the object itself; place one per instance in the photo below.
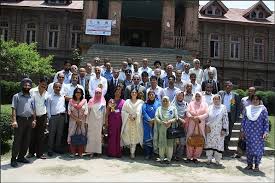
(173, 133)
(79, 139)
(196, 139)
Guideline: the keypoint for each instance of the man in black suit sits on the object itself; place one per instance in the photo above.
(137, 86)
(84, 81)
(112, 84)
(215, 84)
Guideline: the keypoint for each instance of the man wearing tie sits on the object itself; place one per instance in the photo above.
(84, 82)
(215, 83)
(137, 86)
(112, 84)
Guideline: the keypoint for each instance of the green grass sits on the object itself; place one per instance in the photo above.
(271, 137)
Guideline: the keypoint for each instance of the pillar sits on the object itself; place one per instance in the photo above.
(115, 7)
(168, 24)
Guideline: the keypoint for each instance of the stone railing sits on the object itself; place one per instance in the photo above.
(179, 42)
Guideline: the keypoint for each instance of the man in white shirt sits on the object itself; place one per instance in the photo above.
(66, 71)
(69, 88)
(171, 90)
(96, 64)
(188, 95)
(60, 79)
(135, 68)
(74, 69)
(185, 74)
(89, 72)
(209, 68)
(197, 70)
(169, 72)
(196, 87)
(157, 65)
(157, 89)
(124, 66)
(39, 95)
(130, 64)
(145, 67)
(180, 63)
(179, 83)
(98, 82)
(208, 94)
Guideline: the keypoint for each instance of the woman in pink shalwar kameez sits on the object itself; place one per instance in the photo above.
(197, 112)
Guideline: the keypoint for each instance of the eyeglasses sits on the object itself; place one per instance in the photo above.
(136, 79)
(97, 92)
(61, 77)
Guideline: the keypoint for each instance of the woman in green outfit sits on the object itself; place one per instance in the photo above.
(166, 115)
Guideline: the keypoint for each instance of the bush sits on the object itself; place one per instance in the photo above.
(8, 89)
(6, 130)
(241, 93)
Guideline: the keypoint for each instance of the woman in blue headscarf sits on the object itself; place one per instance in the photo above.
(148, 112)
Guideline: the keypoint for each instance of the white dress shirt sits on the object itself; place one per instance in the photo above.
(67, 76)
(199, 74)
(69, 89)
(51, 91)
(147, 69)
(158, 92)
(196, 88)
(185, 77)
(208, 98)
(55, 104)
(205, 73)
(40, 101)
(94, 84)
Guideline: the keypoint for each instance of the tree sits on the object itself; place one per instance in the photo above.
(24, 59)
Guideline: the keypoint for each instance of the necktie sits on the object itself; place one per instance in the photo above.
(115, 82)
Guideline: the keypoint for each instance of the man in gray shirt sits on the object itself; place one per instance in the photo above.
(56, 114)
(23, 120)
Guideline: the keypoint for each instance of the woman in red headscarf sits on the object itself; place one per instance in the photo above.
(95, 120)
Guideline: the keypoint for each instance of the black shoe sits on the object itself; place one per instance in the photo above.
(42, 157)
(177, 158)
(188, 160)
(14, 164)
(50, 154)
(167, 162)
(23, 160)
(195, 161)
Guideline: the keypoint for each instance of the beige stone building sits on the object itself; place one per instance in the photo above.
(240, 42)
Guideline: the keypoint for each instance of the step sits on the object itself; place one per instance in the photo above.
(233, 141)
(235, 133)
(268, 151)
(237, 126)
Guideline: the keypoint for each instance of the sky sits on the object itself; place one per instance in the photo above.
(243, 4)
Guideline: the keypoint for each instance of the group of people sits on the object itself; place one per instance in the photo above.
(136, 105)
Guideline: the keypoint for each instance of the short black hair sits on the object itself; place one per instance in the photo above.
(44, 79)
(153, 77)
(76, 90)
(67, 61)
(172, 76)
(157, 62)
(144, 73)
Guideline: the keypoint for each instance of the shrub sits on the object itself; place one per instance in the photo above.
(6, 130)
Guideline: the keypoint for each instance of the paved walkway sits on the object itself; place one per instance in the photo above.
(64, 169)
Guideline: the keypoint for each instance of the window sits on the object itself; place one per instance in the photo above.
(261, 15)
(258, 82)
(214, 46)
(259, 49)
(4, 30)
(209, 11)
(253, 14)
(235, 45)
(30, 34)
(75, 36)
(53, 36)
(217, 11)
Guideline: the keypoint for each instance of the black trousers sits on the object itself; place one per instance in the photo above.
(22, 137)
(227, 138)
(56, 126)
(37, 136)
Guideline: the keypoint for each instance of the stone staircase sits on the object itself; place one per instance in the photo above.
(117, 54)
(235, 137)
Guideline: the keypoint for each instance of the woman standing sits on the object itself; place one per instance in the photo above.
(113, 123)
(77, 110)
(197, 112)
(181, 107)
(216, 128)
(132, 130)
(95, 120)
(166, 116)
(255, 128)
(148, 113)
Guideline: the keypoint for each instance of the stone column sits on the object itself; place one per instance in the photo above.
(191, 25)
(115, 7)
(89, 12)
(168, 24)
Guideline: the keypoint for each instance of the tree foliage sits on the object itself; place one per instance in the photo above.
(24, 59)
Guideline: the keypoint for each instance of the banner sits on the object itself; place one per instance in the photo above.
(102, 27)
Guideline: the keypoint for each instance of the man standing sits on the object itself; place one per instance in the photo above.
(157, 65)
(60, 79)
(179, 83)
(185, 74)
(145, 67)
(66, 72)
(157, 89)
(232, 102)
(188, 95)
(208, 96)
(56, 115)
(130, 63)
(171, 90)
(195, 86)
(88, 69)
(39, 95)
(84, 82)
(112, 84)
(69, 88)
(215, 84)
(135, 68)
(136, 85)
(180, 63)
(128, 80)
(124, 66)
(209, 68)
(145, 80)
(98, 82)
(107, 73)
(96, 64)
(197, 70)
(23, 120)
(169, 72)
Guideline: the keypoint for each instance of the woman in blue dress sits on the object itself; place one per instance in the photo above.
(148, 112)
(255, 128)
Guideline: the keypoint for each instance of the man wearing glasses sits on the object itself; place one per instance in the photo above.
(136, 85)
(60, 79)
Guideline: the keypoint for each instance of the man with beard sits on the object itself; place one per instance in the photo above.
(66, 71)
(23, 120)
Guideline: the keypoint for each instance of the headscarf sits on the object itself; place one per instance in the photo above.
(97, 99)
(253, 111)
(181, 106)
(198, 102)
(215, 109)
(151, 101)
(165, 108)
(77, 105)
(25, 80)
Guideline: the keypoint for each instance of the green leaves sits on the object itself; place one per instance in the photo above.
(24, 59)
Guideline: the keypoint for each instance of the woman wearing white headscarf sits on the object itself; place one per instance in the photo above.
(216, 130)
(166, 115)
(181, 107)
(255, 128)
